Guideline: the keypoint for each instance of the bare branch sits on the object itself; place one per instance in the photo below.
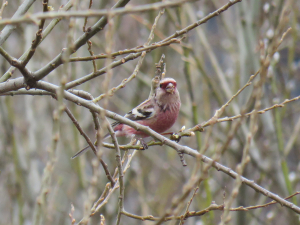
(8, 29)
(93, 13)
(185, 149)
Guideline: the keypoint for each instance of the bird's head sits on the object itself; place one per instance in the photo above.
(168, 85)
(167, 93)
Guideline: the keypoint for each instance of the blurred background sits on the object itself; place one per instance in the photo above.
(211, 64)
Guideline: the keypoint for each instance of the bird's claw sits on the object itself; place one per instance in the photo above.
(144, 144)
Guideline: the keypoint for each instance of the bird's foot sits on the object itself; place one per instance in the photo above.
(143, 143)
(139, 141)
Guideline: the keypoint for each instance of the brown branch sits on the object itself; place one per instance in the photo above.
(128, 51)
(185, 149)
(176, 34)
(199, 127)
(88, 140)
(45, 33)
(4, 34)
(4, 4)
(185, 133)
(109, 190)
(133, 56)
(17, 83)
(16, 63)
(33, 47)
(57, 61)
(117, 63)
(93, 13)
(212, 207)
(120, 171)
(183, 217)
(86, 18)
(92, 55)
(137, 68)
(45, 9)
(252, 112)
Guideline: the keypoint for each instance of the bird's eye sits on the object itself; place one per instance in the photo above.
(160, 85)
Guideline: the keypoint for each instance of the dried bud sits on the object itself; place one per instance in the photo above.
(102, 218)
(266, 7)
(182, 129)
(50, 8)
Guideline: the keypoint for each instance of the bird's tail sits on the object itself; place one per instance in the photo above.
(88, 147)
(81, 152)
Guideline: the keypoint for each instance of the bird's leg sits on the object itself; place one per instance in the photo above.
(136, 140)
(143, 143)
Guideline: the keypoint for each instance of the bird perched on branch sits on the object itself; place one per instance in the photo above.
(159, 112)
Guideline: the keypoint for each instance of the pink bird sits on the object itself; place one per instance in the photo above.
(159, 112)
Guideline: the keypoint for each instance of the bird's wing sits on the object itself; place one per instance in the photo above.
(143, 111)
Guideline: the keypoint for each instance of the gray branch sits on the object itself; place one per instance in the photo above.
(8, 29)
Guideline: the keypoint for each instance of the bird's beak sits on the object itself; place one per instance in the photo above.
(170, 88)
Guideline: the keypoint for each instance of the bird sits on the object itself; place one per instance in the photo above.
(159, 112)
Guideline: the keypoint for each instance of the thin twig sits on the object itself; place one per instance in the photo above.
(175, 35)
(109, 191)
(180, 134)
(8, 29)
(114, 64)
(57, 61)
(93, 13)
(4, 4)
(45, 9)
(120, 170)
(45, 33)
(238, 182)
(92, 55)
(212, 207)
(88, 140)
(183, 217)
(16, 63)
(86, 18)
(35, 43)
(139, 64)
(128, 51)
(258, 112)
(174, 145)
(195, 180)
